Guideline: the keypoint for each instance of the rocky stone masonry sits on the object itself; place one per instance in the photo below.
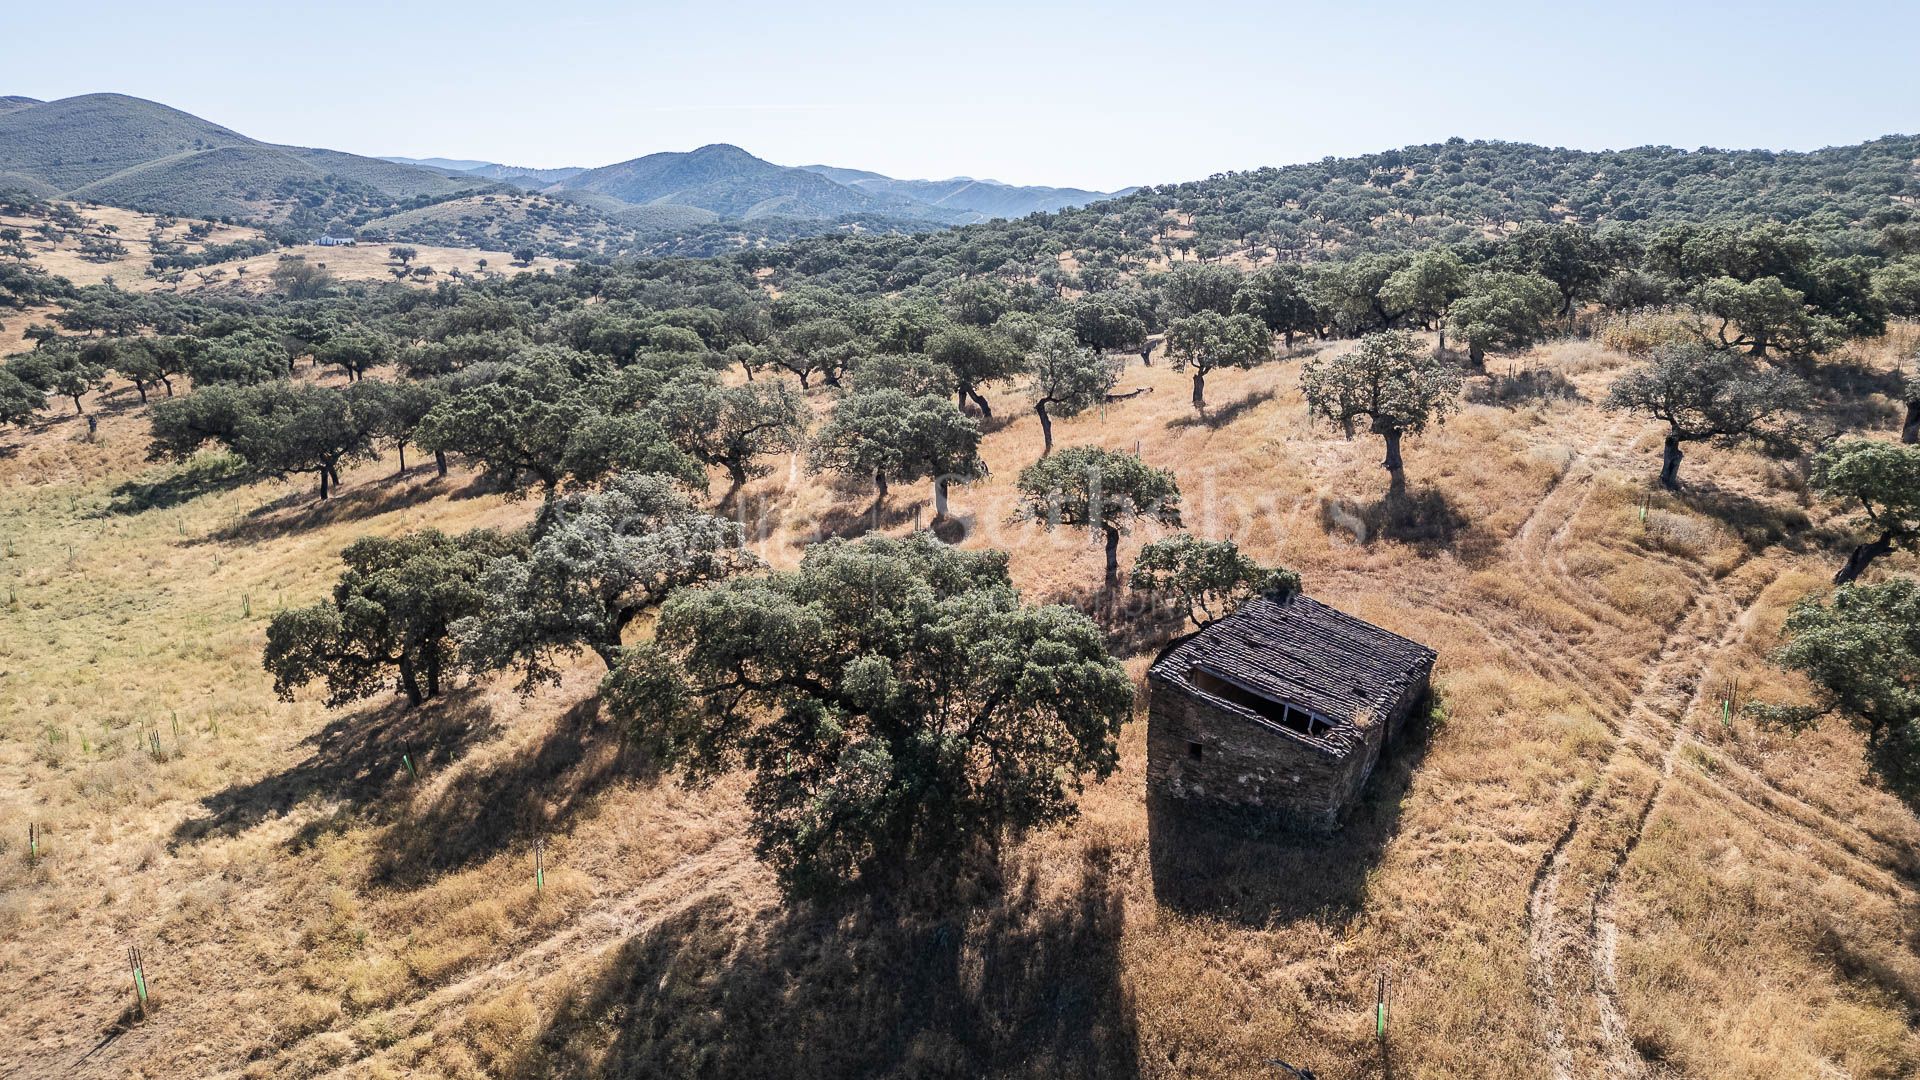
(1204, 748)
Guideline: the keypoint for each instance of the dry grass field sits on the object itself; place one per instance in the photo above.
(130, 227)
(1580, 870)
(365, 262)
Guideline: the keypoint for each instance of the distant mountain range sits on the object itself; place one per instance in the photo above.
(734, 184)
(984, 198)
(126, 151)
(531, 179)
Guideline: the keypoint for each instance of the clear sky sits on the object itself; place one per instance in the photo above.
(1087, 95)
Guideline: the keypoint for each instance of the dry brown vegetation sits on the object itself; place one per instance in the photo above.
(130, 227)
(1580, 870)
(364, 262)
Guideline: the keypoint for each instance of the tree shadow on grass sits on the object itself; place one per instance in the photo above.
(1869, 971)
(355, 761)
(299, 511)
(851, 523)
(40, 424)
(1514, 389)
(1855, 396)
(997, 422)
(487, 809)
(1134, 622)
(1216, 418)
(204, 474)
(1426, 519)
(1258, 871)
(1758, 524)
(1008, 982)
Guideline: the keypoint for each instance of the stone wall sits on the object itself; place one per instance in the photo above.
(1243, 764)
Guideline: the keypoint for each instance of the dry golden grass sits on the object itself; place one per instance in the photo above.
(14, 324)
(307, 909)
(130, 227)
(363, 262)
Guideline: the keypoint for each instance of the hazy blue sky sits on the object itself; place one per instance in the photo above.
(1092, 95)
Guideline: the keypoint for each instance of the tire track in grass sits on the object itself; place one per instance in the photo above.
(1553, 938)
(1603, 933)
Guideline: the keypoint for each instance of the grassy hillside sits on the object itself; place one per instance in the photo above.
(983, 199)
(663, 216)
(76, 141)
(65, 252)
(141, 155)
(396, 181)
(732, 184)
(233, 181)
(505, 222)
(524, 177)
(1581, 837)
(60, 246)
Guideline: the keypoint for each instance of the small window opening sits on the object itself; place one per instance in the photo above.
(1195, 751)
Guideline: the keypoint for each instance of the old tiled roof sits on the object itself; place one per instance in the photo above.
(1296, 649)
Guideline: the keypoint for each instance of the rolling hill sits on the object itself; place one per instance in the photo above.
(525, 177)
(729, 182)
(983, 199)
(445, 164)
(735, 184)
(518, 175)
(129, 152)
(1591, 861)
(507, 220)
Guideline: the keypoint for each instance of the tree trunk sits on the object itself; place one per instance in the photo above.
(168, 383)
(1287, 336)
(1046, 428)
(1910, 431)
(324, 492)
(1476, 356)
(879, 487)
(440, 461)
(142, 388)
(1443, 336)
(432, 659)
(1199, 390)
(77, 410)
(402, 447)
(939, 496)
(609, 653)
(1670, 464)
(1113, 559)
(409, 681)
(1396, 468)
(986, 411)
(1861, 557)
